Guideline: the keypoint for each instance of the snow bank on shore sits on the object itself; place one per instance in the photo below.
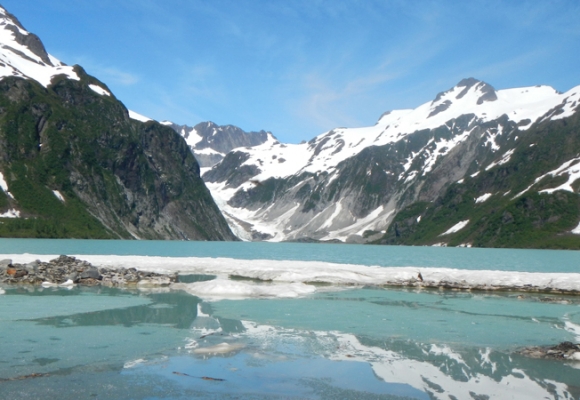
(272, 278)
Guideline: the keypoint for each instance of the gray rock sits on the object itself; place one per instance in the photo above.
(90, 272)
(4, 264)
(32, 266)
(64, 268)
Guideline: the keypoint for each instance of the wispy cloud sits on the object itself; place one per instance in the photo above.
(115, 75)
(328, 104)
(329, 99)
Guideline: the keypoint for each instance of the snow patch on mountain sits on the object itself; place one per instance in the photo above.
(58, 195)
(12, 213)
(569, 105)
(456, 228)
(442, 148)
(138, 117)
(99, 90)
(570, 167)
(22, 54)
(483, 198)
(505, 159)
(374, 221)
(192, 137)
(3, 183)
(491, 138)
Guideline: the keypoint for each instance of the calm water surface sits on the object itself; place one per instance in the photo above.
(464, 258)
(343, 343)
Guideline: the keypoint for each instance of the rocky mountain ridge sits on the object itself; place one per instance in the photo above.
(350, 185)
(210, 142)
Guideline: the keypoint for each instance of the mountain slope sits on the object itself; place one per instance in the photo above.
(349, 184)
(74, 164)
(530, 200)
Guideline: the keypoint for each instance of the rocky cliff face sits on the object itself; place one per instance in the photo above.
(73, 164)
(73, 159)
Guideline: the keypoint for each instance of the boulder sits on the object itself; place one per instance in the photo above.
(32, 266)
(91, 272)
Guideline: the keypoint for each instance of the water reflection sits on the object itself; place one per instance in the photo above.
(360, 344)
(173, 309)
(403, 367)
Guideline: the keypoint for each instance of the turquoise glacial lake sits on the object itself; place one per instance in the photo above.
(337, 343)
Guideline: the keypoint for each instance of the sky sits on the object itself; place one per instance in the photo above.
(298, 68)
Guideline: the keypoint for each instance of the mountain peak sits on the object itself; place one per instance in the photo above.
(480, 93)
(469, 82)
(23, 54)
(486, 91)
(24, 38)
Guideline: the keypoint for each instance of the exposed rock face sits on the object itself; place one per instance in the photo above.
(124, 178)
(29, 40)
(65, 271)
(73, 164)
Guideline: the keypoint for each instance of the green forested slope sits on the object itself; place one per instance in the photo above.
(120, 178)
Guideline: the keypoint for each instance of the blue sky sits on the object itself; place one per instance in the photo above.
(300, 67)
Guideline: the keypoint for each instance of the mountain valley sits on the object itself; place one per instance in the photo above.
(475, 166)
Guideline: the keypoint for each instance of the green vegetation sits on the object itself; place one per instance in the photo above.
(530, 220)
(117, 175)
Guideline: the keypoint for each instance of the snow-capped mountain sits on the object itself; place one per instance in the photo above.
(349, 184)
(74, 164)
(211, 142)
(23, 54)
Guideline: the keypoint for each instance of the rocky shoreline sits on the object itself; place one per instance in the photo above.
(69, 271)
(566, 351)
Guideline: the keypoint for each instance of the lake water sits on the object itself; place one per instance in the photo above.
(336, 341)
